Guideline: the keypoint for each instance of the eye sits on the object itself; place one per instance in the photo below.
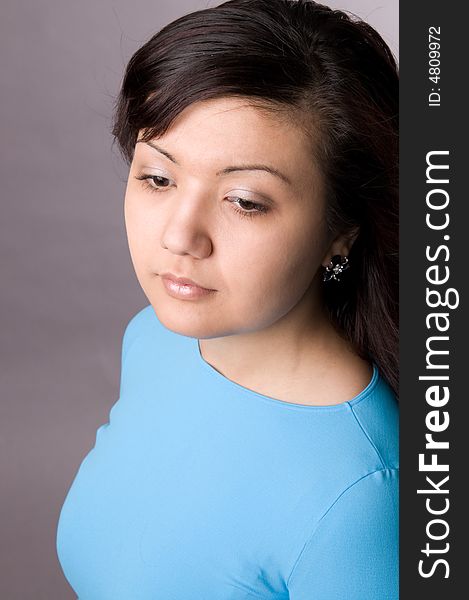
(158, 182)
(246, 208)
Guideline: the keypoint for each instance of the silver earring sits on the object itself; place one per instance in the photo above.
(337, 265)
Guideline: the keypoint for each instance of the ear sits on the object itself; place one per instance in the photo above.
(341, 245)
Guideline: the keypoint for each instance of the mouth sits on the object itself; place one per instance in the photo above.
(184, 288)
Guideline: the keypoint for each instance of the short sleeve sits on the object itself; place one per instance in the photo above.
(353, 553)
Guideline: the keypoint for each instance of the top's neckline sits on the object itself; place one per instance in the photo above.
(284, 403)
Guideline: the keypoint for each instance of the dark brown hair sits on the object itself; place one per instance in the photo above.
(299, 58)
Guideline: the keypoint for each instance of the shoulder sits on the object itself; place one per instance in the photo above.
(377, 416)
(139, 323)
(139, 319)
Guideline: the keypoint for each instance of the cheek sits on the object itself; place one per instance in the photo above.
(141, 233)
(278, 266)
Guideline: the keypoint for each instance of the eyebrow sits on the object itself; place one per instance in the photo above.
(226, 170)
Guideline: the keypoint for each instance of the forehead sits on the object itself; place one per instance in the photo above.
(226, 130)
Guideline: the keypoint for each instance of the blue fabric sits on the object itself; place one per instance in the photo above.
(201, 489)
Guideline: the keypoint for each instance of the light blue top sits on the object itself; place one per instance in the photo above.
(201, 489)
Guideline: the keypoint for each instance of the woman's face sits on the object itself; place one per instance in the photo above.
(255, 237)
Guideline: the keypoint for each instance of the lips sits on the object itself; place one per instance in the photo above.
(184, 281)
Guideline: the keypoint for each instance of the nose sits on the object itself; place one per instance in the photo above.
(187, 226)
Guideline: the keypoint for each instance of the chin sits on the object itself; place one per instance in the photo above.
(187, 322)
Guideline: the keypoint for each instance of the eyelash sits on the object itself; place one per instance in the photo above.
(260, 209)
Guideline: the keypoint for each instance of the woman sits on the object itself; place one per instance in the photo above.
(253, 452)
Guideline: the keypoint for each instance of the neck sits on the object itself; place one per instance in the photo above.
(302, 340)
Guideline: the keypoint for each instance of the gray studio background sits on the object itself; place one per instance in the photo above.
(67, 283)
